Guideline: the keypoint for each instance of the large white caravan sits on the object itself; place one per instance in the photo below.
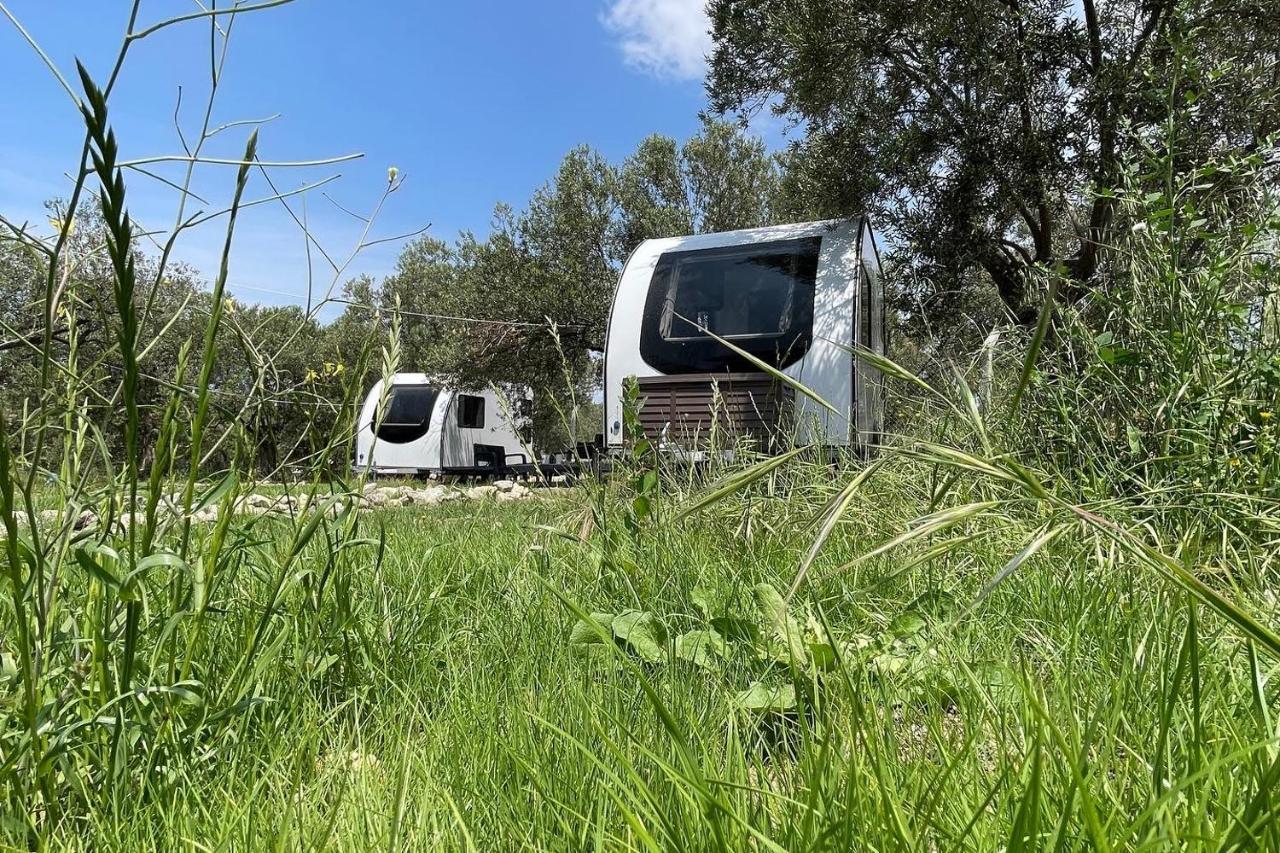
(427, 428)
(799, 297)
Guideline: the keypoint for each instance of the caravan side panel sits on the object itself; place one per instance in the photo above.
(825, 369)
(467, 423)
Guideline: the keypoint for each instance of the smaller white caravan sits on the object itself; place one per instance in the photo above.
(800, 297)
(428, 428)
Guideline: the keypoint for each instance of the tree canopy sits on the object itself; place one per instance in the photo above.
(980, 133)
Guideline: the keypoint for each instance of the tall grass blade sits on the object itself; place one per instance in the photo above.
(1037, 339)
(831, 517)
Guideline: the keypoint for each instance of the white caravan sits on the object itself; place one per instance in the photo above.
(798, 297)
(428, 428)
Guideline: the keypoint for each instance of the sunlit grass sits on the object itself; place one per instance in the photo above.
(1083, 702)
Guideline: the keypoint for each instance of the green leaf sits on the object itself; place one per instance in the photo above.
(641, 631)
(764, 698)
(584, 634)
(703, 600)
(216, 492)
(790, 646)
(823, 655)
(701, 648)
(736, 629)
(889, 663)
(129, 586)
(907, 624)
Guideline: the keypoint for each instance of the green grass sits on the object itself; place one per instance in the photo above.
(1079, 707)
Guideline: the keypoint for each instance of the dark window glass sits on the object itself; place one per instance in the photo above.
(470, 411)
(408, 413)
(759, 296)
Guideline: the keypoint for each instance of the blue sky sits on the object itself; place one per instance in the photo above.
(475, 103)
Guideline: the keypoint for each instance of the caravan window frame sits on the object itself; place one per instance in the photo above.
(403, 432)
(697, 353)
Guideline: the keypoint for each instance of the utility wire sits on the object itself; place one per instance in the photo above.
(420, 314)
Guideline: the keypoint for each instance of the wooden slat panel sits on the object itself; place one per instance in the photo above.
(751, 404)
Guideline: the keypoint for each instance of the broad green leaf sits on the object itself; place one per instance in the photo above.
(823, 655)
(641, 631)
(94, 560)
(701, 648)
(703, 600)
(907, 624)
(736, 629)
(584, 634)
(766, 698)
(790, 646)
(890, 663)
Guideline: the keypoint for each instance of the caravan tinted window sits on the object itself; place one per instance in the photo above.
(408, 413)
(758, 296)
(470, 411)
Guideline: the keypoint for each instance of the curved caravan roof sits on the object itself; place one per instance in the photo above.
(746, 236)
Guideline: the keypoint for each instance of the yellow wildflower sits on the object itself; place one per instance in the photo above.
(312, 376)
(1234, 463)
(1266, 416)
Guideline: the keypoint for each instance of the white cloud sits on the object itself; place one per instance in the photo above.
(666, 38)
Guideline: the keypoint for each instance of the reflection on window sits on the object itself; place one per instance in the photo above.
(733, 297)
(407, 413)
(470, 411)
(760, 296)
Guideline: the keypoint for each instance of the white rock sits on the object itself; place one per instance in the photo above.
(504, 485)
(479, 492)
(516, 494)
(431, 495)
